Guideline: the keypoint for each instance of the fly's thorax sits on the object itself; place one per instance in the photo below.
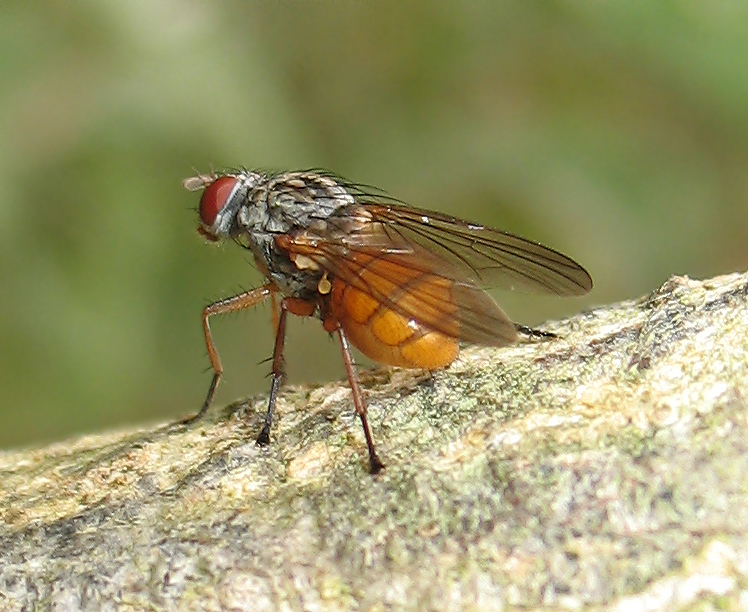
(296, 200)
(291, 204)
(288, 203)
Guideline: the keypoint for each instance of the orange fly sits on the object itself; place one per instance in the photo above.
(401, 284)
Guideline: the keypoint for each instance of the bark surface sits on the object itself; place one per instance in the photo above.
(606, 467)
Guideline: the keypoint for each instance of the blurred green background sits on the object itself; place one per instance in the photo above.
(616, 132)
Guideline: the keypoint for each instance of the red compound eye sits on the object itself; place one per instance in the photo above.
(215, 197)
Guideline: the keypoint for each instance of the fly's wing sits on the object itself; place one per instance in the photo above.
(491, 256)
(420, 287)
(427, 266)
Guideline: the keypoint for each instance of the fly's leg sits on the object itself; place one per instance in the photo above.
(533, 333)
(280, 338)
(274, 300)
(298, 307)
(375, 463)
(244, 300)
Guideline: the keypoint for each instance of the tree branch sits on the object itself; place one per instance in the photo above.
(605, 467)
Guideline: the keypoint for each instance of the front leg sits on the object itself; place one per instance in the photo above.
(247, 299)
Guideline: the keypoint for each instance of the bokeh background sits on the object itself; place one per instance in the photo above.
(616, 132)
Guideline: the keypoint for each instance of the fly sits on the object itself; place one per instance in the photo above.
(401, 284)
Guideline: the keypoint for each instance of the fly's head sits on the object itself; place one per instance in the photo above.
(223, 197)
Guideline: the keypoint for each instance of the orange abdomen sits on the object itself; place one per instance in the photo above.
(385, 335)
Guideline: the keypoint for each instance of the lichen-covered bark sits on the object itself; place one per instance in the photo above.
(606, 467)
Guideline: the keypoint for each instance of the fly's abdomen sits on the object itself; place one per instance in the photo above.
(384, 334)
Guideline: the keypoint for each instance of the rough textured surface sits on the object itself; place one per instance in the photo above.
(608, 467)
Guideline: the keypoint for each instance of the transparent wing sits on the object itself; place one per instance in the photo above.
(489, 255)
(430, 267)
